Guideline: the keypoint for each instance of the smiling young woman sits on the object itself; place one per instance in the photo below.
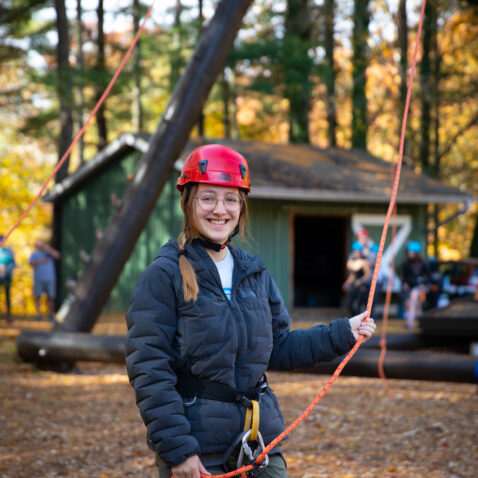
(206, 321)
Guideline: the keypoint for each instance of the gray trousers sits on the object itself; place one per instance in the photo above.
(276, 469)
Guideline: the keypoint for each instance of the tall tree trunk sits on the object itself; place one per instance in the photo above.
(137, 107)
(436, 136)
(329, 13)
(235, 124)
(426, 83)
(226, 93)
(474, 239)
(402, 41)
(64, 86)
(119, 237)
(297, 76)
(427, 94)
(200, 24)
(101, 70)
(359, 67)
(66, 117)
(176, 57)
(81, 99)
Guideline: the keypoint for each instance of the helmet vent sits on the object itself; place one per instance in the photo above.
(243, 171)
(203, 166)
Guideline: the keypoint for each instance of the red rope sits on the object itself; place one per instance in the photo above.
(388, 297)
(82, 131)
(391, 208)
(383, 337)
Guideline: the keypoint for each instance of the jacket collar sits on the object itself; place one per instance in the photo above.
(244, 262)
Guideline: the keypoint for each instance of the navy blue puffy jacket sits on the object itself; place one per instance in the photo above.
(230, 342)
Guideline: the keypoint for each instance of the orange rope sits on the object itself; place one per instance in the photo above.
(383, 337)
(388, 296)
(82, 131)
(391, 208)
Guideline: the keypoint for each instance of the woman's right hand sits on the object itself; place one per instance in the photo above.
(189, 468)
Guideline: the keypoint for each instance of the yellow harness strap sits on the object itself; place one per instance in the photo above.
(252, 420)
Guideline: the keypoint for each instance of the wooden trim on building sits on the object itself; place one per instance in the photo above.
(296, 194)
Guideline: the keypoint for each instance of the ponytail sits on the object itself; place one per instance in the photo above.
(188, 274)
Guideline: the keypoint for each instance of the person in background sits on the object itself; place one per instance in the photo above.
(415, 278)
(436, 283)
(205, 322)
(363, 237)
(379, 286)
(7, 264)
(357, 283)
(42, 261)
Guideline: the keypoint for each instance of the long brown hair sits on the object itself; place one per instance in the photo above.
(190, 232)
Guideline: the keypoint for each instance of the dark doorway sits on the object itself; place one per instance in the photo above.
(319, 260)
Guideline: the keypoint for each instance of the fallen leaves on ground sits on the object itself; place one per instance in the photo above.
(86, 424)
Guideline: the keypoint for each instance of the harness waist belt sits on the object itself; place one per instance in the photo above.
(190, 386)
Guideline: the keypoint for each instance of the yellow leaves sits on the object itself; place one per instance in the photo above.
(21, 176)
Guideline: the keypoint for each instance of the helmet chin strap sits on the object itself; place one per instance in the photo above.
(215, 246)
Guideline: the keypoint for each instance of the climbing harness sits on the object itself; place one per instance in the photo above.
(189, 385)
(249, 444)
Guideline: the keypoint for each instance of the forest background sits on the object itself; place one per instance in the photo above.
(325, 72)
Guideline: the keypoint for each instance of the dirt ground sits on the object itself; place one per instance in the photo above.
(86, 424)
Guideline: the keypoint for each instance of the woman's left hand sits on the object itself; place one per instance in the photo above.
(363, 327)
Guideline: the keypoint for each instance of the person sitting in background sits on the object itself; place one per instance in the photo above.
(372, 260)
(414, 282)
(436, 283)
(7, 264)
(363, 237)
(358, 281)
(44, 277)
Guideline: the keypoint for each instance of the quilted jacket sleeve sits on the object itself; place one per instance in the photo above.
(304, 348)
(151, 320)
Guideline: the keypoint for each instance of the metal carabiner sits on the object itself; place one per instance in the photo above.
(251, 455)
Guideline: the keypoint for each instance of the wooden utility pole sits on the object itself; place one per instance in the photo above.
(119, 237)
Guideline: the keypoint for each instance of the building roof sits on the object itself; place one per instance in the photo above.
(296, 172)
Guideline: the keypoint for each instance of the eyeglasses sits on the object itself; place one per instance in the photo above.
(208, 202)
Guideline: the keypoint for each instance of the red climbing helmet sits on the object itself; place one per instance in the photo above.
(215, 164)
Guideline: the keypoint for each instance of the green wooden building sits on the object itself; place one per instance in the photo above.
(306, 204)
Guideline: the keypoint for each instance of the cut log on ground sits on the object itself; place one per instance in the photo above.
(459, 319)
(418, 341)
(48, 348)
(439, 367)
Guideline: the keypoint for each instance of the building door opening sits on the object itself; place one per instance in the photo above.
(319, 260)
